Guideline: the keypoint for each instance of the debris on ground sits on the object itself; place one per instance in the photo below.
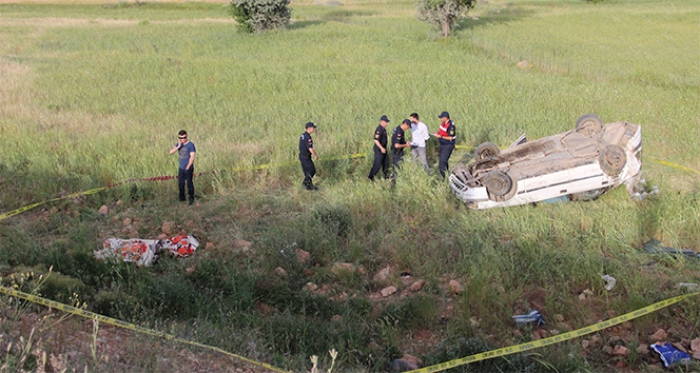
(670, 355)
(609, 282)
(532, 316)
(654, 246)
(145, 252)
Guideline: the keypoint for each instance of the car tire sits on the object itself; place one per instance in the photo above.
(588, 124)
(486, 151)
(612, 160)
(499, 186)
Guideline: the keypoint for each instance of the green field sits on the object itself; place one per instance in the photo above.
(93, 94)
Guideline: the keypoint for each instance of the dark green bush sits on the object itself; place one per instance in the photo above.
(260, 15)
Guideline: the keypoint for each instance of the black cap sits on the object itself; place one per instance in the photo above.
(444, 114)
(310, 124)
(384, 118)
(406, 121)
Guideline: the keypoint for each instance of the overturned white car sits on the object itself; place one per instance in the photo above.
(580, 164)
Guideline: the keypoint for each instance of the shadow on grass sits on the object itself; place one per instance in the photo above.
(502, 15)
(296, 25)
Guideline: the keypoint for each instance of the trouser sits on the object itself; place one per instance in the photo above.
(381, 161)
(396, 159)
(419, 153)
(182, 176)
(445, 153)
(307, 165)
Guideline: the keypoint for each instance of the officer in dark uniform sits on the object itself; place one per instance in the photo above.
(306, 150)
(381, 158)
(398, 142)
(446, 136)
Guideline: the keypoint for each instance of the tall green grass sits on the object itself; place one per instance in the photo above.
(89, 102)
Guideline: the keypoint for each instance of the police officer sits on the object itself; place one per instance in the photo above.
(398, 142)
(446, 137)
(381, 158)
(306, 150)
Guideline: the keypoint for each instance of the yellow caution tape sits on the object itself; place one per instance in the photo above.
(33, 205)
(269, 165)
(673, 165)
(125, 325)
(555, 339)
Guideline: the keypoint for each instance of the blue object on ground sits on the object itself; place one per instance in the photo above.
(670, 355)
(532, 316)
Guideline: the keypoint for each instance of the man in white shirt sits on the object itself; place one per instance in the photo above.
(419, 135)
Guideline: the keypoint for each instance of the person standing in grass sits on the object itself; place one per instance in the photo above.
(381, 158)
(419, 135)
(306, 150)
(186, 152)
(446, 137)
(398, 142)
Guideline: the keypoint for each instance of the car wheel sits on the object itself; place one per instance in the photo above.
(499, 186)
(590, 195)
(486, 151)
(588, 124)
(612, 160)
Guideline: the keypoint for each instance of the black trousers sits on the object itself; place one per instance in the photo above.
(381, 161)
(445, 153)
(186, 176)
(396, 159)
(307, 165)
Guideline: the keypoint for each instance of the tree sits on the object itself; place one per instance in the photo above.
(443, 13)
(259, 15)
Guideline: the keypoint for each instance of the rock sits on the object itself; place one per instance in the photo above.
(695, 345)
(417, 286)
(280, 272)
(336, 318)
(241, 245)
(167, 227)
(585, 343)
(517, 333)
(303, 256)
(539, 334)
(523, 65)
(584, 294)
(118, 203)
(407, 280)
(473, 321)
(190, 269)
(209, 246)
(127, 221)
(620, 350)
(412, 359)
(643, 349)
(162, 236)
(104, 210)
(559, 317)
(596, 340)
(658, 336)
(456, 287)
(387, 291)
(400, 365)
(310, 287)
(339, 268)
(382, 276)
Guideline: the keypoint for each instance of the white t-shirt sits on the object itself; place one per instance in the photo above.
(419, 134)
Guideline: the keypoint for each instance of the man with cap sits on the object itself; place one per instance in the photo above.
(446, 137)
(398, 142)
(381, 158)
(419, 135)
(306, 150)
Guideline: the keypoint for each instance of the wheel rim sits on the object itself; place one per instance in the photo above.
(497, 183)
